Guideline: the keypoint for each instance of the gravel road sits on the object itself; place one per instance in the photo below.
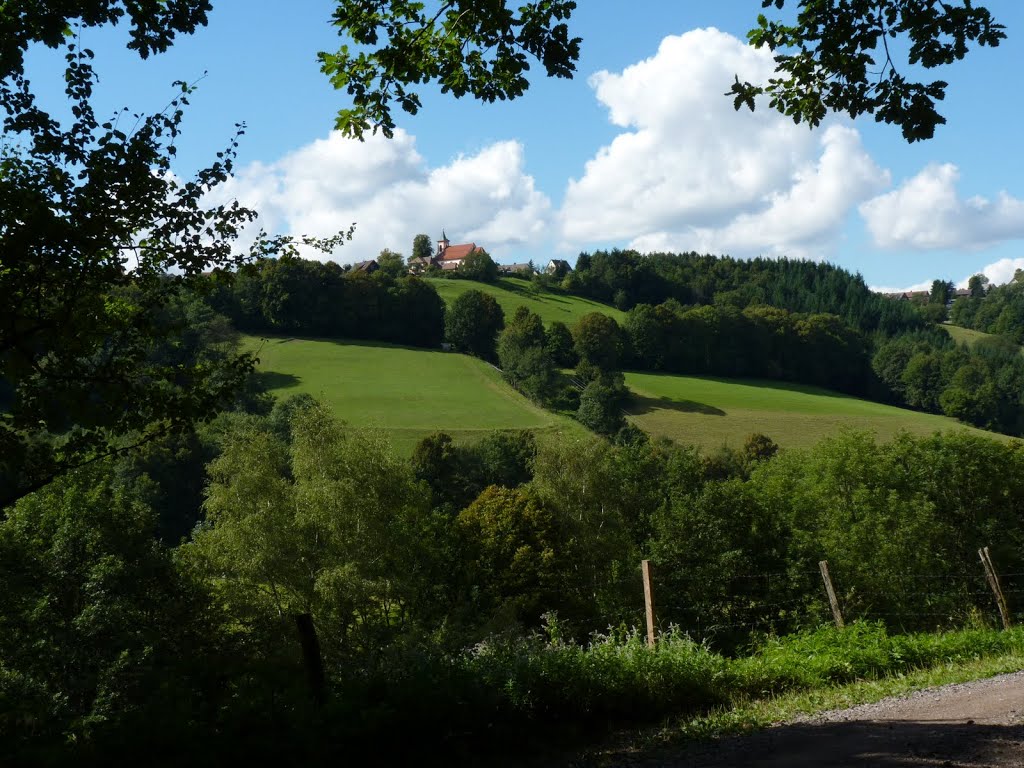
(969, 725)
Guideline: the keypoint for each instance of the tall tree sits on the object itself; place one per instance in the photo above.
(942, 292)
(473, 321)
(391, 263)
(97, 235)
(422, 248)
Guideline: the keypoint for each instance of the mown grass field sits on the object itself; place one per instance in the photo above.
(967, 336)
(514, 292)
(712, 412)
(408, 393)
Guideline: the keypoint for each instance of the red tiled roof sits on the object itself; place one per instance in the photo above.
(456, 252)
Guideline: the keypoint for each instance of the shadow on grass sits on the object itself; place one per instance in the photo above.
(343, 342)
(786, 386)
(529, 292)
(268, 380)
(639, 405)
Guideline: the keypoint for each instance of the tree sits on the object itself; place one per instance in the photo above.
(601, 407)
(836, 64)
(598, 343)
(473, 321)
(486, 50)
(524, 359)
(977, 285)
(422, 248)
(479, 266)
(97, 235)
(154, 26)
(98, 629)
(513, 548)
(326, 528)
(391, 263)
(559, 344)
(942, 292)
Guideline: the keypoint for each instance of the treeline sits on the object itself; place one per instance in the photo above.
(333, 592)
(758, 341)
(628, 278)
(999, 310)
(294, 295)
(981, 384)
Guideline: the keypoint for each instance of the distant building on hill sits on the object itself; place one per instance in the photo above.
(558, 268)
(369, 267)
(908, 295)
(447, 257)
(450, 256)
(516, 269)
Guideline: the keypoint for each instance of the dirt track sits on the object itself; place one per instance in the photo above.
(970, 725)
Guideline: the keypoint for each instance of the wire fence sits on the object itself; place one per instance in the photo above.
(731, 609)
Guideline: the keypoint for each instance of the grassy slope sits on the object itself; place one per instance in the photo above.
(712, 412)
(967, 336)
(410, 393)
(513, 292)
(407, 392)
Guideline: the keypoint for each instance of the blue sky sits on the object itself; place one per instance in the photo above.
(641, 149)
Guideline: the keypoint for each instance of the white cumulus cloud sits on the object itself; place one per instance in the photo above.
(690, 172)
(998, 272)
(925, 213)
(388, 190)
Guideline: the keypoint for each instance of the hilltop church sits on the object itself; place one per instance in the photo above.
(448, 256)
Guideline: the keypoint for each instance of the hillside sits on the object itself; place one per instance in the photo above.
(514, 292)
(408, 393)
(711, 412)
(967, 336)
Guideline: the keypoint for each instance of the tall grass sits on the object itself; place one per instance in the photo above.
(508, 692)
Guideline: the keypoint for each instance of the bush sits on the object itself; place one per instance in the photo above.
(601, 407)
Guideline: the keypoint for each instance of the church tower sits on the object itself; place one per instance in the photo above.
(442, 244)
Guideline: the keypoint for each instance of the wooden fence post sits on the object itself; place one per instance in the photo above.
(645, 567)
(993, 581)
(832, 600)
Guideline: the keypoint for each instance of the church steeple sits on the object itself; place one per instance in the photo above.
(442, 244)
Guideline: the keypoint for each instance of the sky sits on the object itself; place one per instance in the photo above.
(641, 149)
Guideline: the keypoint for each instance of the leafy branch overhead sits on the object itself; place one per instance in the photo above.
(483, 49)
(835, 57)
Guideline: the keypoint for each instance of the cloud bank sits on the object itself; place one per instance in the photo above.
(387, 188)
(925, 213)
(692, 173)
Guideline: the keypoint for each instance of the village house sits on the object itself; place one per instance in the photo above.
(516, 269)
(369, 267)
(558, 267)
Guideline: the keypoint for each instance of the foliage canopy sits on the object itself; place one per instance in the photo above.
(836, 57)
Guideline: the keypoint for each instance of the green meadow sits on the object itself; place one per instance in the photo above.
(408, 393)
(713, 412)
(514, 292)
(967, 336)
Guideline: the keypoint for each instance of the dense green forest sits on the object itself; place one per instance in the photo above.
(628, 278)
